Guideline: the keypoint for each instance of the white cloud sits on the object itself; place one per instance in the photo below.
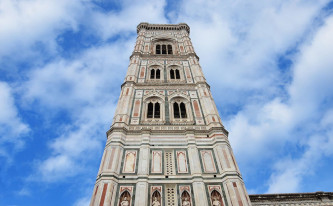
(12, 129)
(86, 88)
(25, 23)
(239, 55)
(310, 96)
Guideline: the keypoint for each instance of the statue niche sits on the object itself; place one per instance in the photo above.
(156, 199)
(186, 199)
(125, 199)
(216, 198)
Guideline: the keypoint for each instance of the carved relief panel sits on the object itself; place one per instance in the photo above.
(208, 162)
(156, 162)
(130, 161)
(182, 162)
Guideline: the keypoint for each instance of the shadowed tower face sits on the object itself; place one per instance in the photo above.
(167, 144)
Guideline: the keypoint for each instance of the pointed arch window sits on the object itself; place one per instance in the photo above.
(169, 49)
(174, 74)
(153, 110)
(179, 110)
(155, 74)
(163, 49)
(152, 74)
(158, 49)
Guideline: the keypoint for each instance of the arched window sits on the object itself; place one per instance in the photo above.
(176, 110)
(152, 74)
(172, 74)
(164, 50)
(158, 49)
(177, 74)
(179, 110)
(158, 74)
(150, 110)
(169, 49)
(157, 110)
(153, 110)
(183, 110)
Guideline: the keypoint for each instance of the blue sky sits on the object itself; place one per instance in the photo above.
(269, 64)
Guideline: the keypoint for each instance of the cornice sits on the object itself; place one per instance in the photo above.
(164, 85)
(178, 27)
(165, 56)
(292, 197)
(166, 129)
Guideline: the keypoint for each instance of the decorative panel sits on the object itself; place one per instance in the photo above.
(169, 163)
(197, 112)
(208, 161)
(156, 161)
(182, 165)
(170, 195)
(129, 165)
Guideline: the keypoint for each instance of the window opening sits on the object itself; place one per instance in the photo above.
(164, 51)
(176, 110)
(172, 74)
(152, 74)
(150, 110)
(183, 110)
(158, 74)
(177, 74)
(157, 110)
(169, 49)
(158, 49)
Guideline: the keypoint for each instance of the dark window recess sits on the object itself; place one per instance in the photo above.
(176, 110)
(183, 110)
(152, 74)
(157, 110)
(158, 74)
(150, 110)
(169, 49)
(172, 74)
(164, 51)
(158, 49)
(177, 74)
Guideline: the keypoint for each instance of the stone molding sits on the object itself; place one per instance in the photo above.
(147, 26)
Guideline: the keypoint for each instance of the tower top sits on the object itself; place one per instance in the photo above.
(147, 26)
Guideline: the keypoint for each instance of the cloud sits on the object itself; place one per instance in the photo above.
(311, 98)
(12, 129)
(269, 109)
(32, 26)
(85, 89)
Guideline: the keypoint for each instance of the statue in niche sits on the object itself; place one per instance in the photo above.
(186, 202)
(156, 202)
(125, 202)
(186, 199)
(216, 198)
(125, 199)
(156, 199)
(216, 202)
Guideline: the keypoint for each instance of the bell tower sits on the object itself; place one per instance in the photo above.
(167, 144)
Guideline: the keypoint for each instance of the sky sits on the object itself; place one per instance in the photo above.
(269, 65)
